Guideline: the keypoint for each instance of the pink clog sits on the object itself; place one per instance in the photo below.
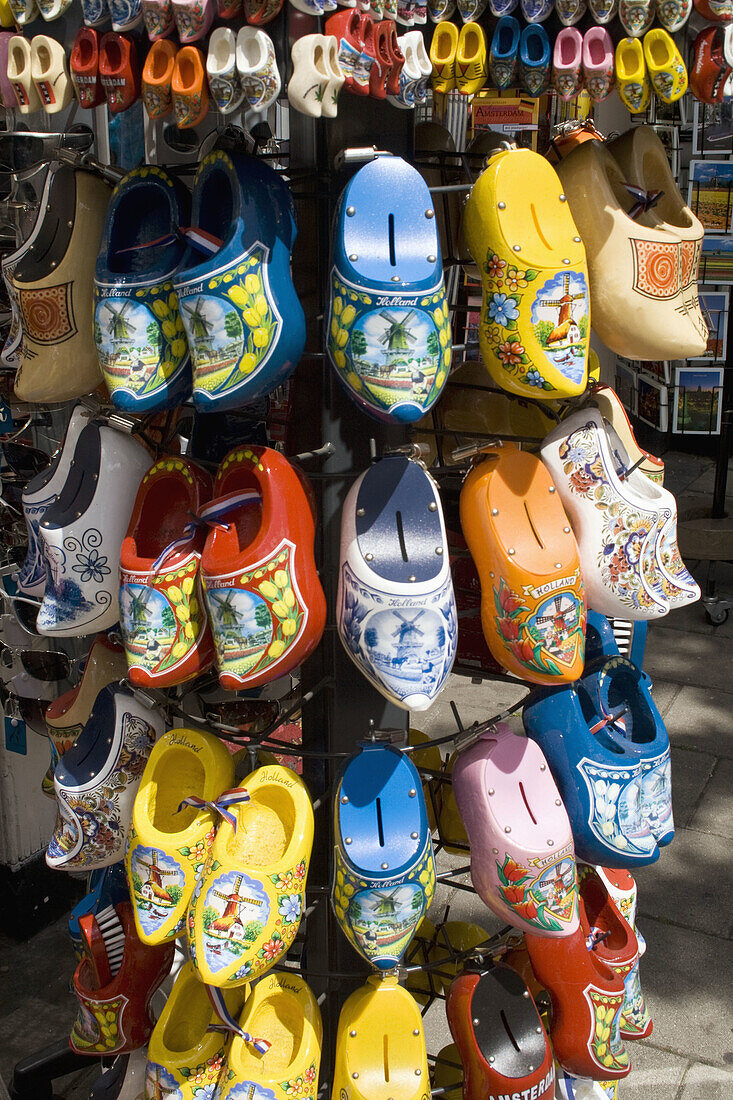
(598, 63)
(567, 60)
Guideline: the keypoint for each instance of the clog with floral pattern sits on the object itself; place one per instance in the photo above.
(189, 88)
(158, 18)
(193, 19)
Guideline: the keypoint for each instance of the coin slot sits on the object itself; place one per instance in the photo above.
(401, 536)
(385, 1048)
(392, 257)
(380, 827)
(509, 1031)
(526, 803)
(538, 227)
(535, 532)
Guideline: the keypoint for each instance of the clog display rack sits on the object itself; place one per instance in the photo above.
(291, 494)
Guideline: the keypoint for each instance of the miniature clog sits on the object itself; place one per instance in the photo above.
(67, 715)
(84, 66)
(415, 72)
(250, 896)
(710, 74)
(163, 613)
(603, 11)
(264, 597)
(380, 1044)
(258, 74)
(283, 1014)
(636, 16)
(157, 80)
(635, 1021)
(221, 70)
(397, 59)
(567, 60)
(193, 19)
(382, 66)
(189, 88)
(534, 337)
(310, 76)
(50, 74)
(500, 8)
(534, 60)
(244, 323)
(19, 75)
(570, 12)
(499, 1035)
(536, 11)
(24, 11)
(388, 335)
(504, 52)
(717, 11)
(396, 609)
(613, 411)
(119, 71)
(587, 997)
(609, 935)
(116, 1018)
(632, 77)
(471, 70)
(532, 594)
(94, 12)
(8, 97)
(346, 26)
(138, 329)
(126, 14)
(97, 779)
(260, 12)
(509, 803)
(158, 18)
(169, 841)
(664, 63)
(229, 9)
(443, 56)
(598, 63)
(673, 14)
(383, 865)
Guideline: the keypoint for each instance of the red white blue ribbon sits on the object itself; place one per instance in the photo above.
(207, 517)
(219, 806)
(228, 1023)
(645, 200)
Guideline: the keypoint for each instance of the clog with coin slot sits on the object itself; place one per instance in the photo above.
(609, 403)
(533, 605)
(522, 855)
(185, 1058)
(66, 716)
(139, 333)
(160, 578)
(84, 68)
(380, 1044)
(710, 72)
(396, 609)
(388, 334)
(282, 1013)
(632, 76)
(157, 78)
(169, 841)
(635, 1021)
(471, 71)
(253, 881)
(443, 56)
(665, 65)
(535, 318)
(383, 866)
(499, 1035)
(263, 593)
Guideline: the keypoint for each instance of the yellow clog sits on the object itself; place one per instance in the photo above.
(7, 18)
(167, 848)
(380, 1045)
(247, 905)
(283, 1012)
(664, 63)
(443, 57)
(185, 1059)
(632, 77)
(471, 65)
(449, 1072)
(535, 315)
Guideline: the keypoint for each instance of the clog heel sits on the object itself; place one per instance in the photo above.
(281, 1017)
(380, 1044)
(168, 846)
(532, 594)
(535, 320)
(248, 902)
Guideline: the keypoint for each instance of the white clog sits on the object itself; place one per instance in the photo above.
(19, 74)
(329, 106)
(311, 74)
(24, 11)
(50, 73)
(53, 9)
(257, 68)
(221, 70)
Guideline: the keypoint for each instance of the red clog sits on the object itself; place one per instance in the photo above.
(264, 597)
(119, 71)
(259, 12)
(587, 998)
(229, 9)
(501, 1042)
(608, 934)
(382, 66)
(348, 27)
(710, 72)
(716, 11)
(84, 66)
(397, 58)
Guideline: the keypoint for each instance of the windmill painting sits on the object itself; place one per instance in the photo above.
(158, 882)
(396, 351)
(383, 919)
(236, 910)
(408, 647)
(561, 322)
(160, 1084)
(129, 340)
(556, 888)
(214, 332)
(557, 625)
(148, 624)
(242, 626)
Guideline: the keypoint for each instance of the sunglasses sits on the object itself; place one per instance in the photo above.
(23, 610)
(41, 664)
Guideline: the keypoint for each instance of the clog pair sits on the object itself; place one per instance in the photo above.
(414, 76)
(711, 71)
(459, 58)
(637, 16)
(22, 12)
(175, 79)
(242, 69)
(105, 67)
(655, 65)
(607, 728)
(626, 525)
(317, 76)
(388, 334)
(643, 246)
(368, 52)
(126, 15)
(396, 609)
(580, 61)
(39, 74)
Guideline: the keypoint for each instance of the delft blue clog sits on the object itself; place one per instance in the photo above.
(388, 335)
(383, 867)
(397, 614)
(615, 638)
(138, 330)
(534, 60)
(107, 888)
(504, 51)
(536, 11)
(244, 323)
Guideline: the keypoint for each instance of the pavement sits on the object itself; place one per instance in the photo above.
(684, 899)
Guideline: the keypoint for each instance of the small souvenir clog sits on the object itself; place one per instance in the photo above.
(119, 71)
(673, 14)
(97, 779)
(611, 409)
(536, 11)
(534, 60)
(19, 75)
(189, 88)
(499, 1035)
(249, 899)
(138, 329)
(396, 609)
(535, 318)
(665, 65)
(283, 1015)
(717, 11)
(193, 19)
(116, 1018)
(609, 935)
(24, 11)
(308, 83)
(380, 1044)
(221, 70)
(82, 533)
(244, 323)
(95, 12)
(169, 840)
(598, 63)
(157, 79)
(66, 716)
(532, 592)
(356, 64)
(84, 66)
(636, 16)
(587, 997)
(260, 12)
(510, 805)
(603, 11)
(158, 18)
(709, 73)
(388, 333)
(383, 864)
(443, 56)
(265, 600)
(504, 52)
(126, 14)
(50, 74)
(471, 71)
(570, 12)
(567, 60)
(185, 1058)
(632, 77)
(635, 1020)
(257, 70)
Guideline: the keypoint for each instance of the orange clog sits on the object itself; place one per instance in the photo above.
(190, 91)
(158, 78)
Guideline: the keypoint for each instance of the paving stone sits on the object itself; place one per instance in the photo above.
(700, 718)
(681, 469)
(664, 692)
(713, 815)
(654, 1073)
(706, 1083)
(32, 1025)
(688, 883)
(686, 658)
(475, 703)
(690, 618)
(691, 771)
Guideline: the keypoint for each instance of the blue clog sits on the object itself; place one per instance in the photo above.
(244, 323)
(138, 330)
(615, 638)
(504, 51)
(383, 867)
(388, 333)
(534, 60)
